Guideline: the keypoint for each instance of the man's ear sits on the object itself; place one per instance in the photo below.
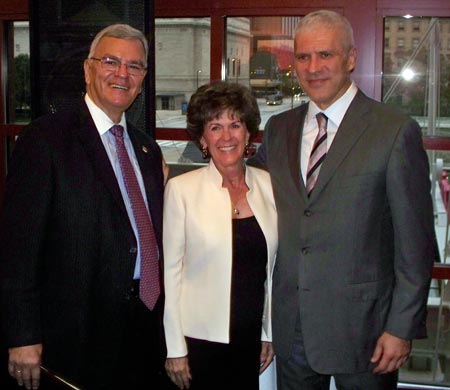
(87, 71)
(351, 62)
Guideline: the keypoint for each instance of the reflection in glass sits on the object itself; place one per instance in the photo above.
(259, 55)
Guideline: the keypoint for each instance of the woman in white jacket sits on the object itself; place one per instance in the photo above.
(220, 242)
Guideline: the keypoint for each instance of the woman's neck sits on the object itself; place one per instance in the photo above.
(233, 177)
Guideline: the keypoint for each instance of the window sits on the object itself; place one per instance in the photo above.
(407, 81)
(182, 59)
(259, 54)
(415, 79)
(182, 65)
(267, 67)
(19, 93)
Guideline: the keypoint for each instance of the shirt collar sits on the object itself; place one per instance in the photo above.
(102, 121)
(336, 111)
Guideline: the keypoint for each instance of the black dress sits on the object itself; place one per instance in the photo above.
(236, 365)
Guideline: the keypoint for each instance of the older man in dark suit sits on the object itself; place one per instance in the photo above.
(81, 228)
(356, 234)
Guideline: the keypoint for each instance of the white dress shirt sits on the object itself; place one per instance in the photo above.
(335, 114)
(104, 124)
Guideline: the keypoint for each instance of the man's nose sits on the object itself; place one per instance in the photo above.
(314, 64)
(122, 70)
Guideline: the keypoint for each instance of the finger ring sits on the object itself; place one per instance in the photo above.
(18, 371)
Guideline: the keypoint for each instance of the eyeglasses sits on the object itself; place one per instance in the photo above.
(112, 64)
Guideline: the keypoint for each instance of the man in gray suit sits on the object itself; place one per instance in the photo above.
(356, 252)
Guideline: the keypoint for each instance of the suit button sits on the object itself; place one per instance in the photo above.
(307, 213)
(305, 250)
(133, 250)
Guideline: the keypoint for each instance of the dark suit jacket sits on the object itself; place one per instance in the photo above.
(67, 247)
(355, 258)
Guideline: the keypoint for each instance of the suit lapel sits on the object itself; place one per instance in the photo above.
(90, 139)
(352, 127)
(145, 157)
(294, 129)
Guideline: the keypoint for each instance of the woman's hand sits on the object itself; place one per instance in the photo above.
(266, 356)
(178, 371)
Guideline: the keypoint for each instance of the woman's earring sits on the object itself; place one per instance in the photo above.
(247, 150)
(205, 152)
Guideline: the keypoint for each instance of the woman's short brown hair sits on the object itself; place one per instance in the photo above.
(211, 100)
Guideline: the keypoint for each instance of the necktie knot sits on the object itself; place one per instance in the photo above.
(322, 121)
(117, 130)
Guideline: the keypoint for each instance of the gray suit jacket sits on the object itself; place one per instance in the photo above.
(355, 258)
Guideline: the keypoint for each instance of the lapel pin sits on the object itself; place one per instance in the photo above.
(144, 149)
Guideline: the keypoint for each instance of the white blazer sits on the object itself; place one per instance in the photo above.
(197, 239)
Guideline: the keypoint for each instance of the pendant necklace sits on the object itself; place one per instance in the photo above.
(240, 195)
(234, 206)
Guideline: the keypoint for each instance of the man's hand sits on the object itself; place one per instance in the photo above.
(178, 371)
(25, 365)
(390, 353)
(266, 356)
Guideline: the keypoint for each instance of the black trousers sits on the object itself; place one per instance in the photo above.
(142, 351)
(142, 355)
(217, 366)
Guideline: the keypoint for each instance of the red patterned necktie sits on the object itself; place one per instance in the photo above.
(149, 288)
(318, 153)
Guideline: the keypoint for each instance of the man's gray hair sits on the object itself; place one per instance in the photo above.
(329, 19)
(122, 31)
